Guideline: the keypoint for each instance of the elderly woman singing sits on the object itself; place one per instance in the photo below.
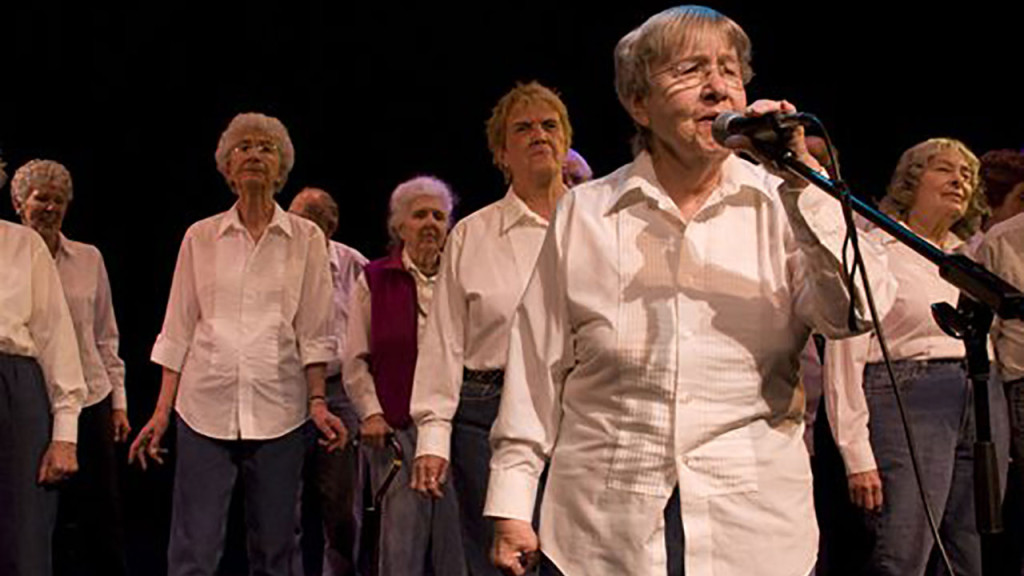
(243, 350)
(89, 534)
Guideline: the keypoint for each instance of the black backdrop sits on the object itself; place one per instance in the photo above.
(133, 100)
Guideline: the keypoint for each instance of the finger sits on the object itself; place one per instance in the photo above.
(41, 476)
(787, 107)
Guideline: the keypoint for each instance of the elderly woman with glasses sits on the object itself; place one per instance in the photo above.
(934, 192)
(89, 533)
(387, 323)
(243, 348)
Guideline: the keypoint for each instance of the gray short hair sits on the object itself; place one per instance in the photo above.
(406, 192)
(247, 123)
(35, 173)
(660, 36)
(907, 177)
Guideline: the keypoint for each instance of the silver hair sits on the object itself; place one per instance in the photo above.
(406, 192)
(248, 123)
(36, 172)
(657, 39)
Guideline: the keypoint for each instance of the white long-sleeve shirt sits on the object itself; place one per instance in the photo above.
(1002, 252)
(243, 320)
(649, 351)
(87, 290)
(357, 378)
(35, 322)
(346, 267)
(911, 334)
(484, 270)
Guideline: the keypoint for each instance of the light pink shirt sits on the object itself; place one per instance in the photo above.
(243, 320)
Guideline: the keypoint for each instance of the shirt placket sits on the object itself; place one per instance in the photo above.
(247, 317)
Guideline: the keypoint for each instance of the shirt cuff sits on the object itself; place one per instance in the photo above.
(434, 439)
(858, 457)
(65, 426)
(318, 351)
(511, 494)
(119, 398)
(367, 405)
(169, 354)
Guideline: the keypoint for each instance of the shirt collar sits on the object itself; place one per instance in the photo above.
(641, 184)
(279, 221)
(515, 212)
(65, 249)
(411, 268)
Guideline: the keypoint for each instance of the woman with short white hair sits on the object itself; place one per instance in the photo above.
(243, 348)
(89, 533)
(387, 321)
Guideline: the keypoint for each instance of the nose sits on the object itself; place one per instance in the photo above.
(714, 87)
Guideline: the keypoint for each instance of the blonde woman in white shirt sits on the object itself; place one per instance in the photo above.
(484, 268)
(89, 533)
(934, 192)
(243, 348)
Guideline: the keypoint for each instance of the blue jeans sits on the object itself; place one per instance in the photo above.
(418, 534)
(940, 408)
(470, 464)
(204, 477)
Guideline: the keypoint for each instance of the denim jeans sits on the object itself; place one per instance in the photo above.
(419, 535)
(470, 467)
(940, 408)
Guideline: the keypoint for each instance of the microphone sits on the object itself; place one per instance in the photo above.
(766, 128)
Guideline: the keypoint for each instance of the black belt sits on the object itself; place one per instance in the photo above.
(496, 376)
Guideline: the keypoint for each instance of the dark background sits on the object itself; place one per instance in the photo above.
(133, 100)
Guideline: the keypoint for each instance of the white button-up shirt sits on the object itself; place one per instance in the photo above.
(346, 267)
(357, 378)
(650, 351)
(243, 320)
(911, 334)
(35, 322)
(87, 290)
(1002, 252)
(484, 270)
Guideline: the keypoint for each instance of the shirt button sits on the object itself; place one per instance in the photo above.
(684, 398)
(686, 334)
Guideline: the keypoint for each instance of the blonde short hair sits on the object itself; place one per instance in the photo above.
(902, 190)
(657, 39)
(248, 123)
(37, 172)
(497, 124)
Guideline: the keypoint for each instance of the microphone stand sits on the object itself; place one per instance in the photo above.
(983, 294)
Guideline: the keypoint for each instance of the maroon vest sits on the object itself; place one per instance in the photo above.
(392, 335)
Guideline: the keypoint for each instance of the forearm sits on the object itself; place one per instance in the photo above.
(168, 392)
(315, 380)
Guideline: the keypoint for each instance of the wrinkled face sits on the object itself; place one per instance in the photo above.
(1012, 205)
(308, 207)
(687, 92)
(535, 141)
(44, 208)
(945, 186)
(255, 161)
(425, 226)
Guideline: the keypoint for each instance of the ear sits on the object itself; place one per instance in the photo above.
(637, 109)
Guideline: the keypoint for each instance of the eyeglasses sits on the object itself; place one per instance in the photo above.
(685, 74)
(261, 148)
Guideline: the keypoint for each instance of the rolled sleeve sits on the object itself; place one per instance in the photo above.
(313, 318)
(511, 494)
(175, 338)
